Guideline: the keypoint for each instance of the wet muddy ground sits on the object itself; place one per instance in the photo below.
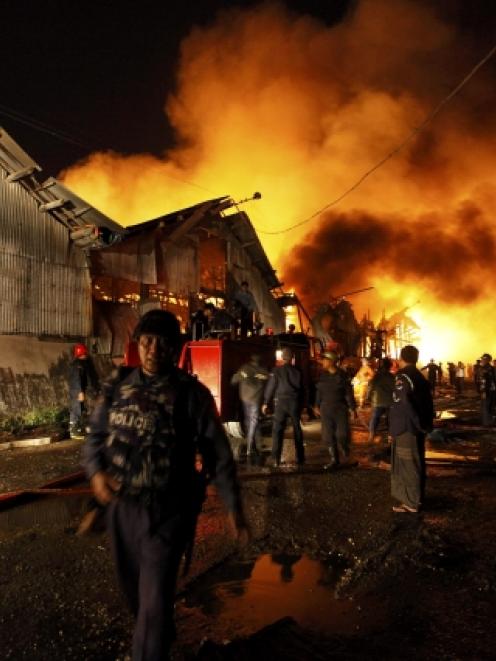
(331, 572)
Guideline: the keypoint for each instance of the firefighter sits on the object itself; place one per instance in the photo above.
(333, 400)
(141, 458)
(219, 322)
(252, 378)
(285, 385)
(82, 379)
(247, 309)
(380, 393)
(486, 387)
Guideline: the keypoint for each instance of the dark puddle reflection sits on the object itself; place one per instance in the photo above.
(244, 596)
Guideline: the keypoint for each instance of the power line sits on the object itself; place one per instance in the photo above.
(41, 126)
(396, 150)
(37, 125)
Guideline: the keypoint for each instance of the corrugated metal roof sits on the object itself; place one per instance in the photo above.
(80, 210)
(52, 197)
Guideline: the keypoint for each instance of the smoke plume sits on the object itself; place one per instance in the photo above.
(277, 101)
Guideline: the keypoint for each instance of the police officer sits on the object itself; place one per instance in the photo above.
(411, 417)
(82, 378)
(486, 387)
(140, 455)
(334, 398)
(285, 386)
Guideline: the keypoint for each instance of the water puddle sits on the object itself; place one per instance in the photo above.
(244, 596)
(446, 415)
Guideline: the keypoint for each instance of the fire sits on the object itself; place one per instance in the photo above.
(279, 102)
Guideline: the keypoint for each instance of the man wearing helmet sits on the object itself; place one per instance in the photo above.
(82, 377)
(141, 456)
(285, 386)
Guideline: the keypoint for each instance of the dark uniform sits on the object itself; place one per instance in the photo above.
(433, 375)
(82, 378)
(285, 385)
(486, 387)
(146, 432)
(380, 392)
(247, 309)
(411, 417)
(334, 398)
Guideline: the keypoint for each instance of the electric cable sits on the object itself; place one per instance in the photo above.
(393, 152)
(37, 125)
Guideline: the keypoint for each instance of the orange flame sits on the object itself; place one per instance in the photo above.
(273, 101)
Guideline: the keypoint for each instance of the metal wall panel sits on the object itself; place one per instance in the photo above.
(45, 284)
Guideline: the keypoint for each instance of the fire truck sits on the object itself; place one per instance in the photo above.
(215, 361)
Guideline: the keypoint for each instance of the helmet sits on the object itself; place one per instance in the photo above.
(330, 355)
(162, 323)
(80, 350)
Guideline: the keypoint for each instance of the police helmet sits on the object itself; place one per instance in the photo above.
(159, 322)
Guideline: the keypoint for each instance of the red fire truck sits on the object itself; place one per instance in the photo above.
(214, 361)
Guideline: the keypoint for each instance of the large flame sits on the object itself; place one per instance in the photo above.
(279, 102)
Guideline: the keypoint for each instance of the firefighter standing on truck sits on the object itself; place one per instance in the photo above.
(82, 378)
(140, 455)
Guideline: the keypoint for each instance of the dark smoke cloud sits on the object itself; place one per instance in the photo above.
(453, 258)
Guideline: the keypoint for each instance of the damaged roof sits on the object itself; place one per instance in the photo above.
(178, 223)
(56, 199)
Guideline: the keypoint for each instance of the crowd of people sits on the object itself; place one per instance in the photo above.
(155, 439)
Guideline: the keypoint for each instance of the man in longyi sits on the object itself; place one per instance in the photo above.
(411, 418)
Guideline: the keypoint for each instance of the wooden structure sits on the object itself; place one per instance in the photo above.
(203, 252)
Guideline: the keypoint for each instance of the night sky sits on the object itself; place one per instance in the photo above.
(99, 72)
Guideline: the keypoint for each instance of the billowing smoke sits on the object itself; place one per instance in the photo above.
(453, 258)
(279, 102)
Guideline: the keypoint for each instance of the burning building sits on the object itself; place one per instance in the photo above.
(69, 274)
(277, 100)
(200, 253)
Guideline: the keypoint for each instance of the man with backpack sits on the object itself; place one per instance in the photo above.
(150, 426)
(380, 393)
